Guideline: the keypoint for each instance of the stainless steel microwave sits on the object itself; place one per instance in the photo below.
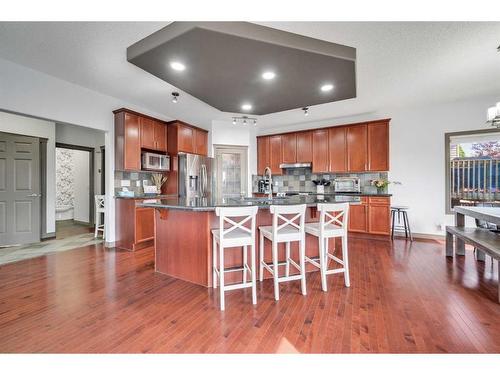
(155, 162)
(347, 185)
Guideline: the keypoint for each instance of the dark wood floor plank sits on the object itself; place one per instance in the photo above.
(404, 298)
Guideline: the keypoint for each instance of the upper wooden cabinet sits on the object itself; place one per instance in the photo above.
(304, 147)
(275, 154)
(183, 137)
(337, 144)
(320, 161)
(357, 143)
(262, 154)
(127, 141)
(378, 146)
(348, 148)
(153, 134)
(289, 146)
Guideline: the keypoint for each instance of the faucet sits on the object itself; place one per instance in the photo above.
(267, 171)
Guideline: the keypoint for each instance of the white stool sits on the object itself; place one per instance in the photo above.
(100, 208)
(234, 235)
(332, 223)
(288, 231)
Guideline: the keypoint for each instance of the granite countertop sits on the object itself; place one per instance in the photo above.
(362, 194)
(207, 204)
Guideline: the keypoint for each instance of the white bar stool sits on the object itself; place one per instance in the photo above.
(332, 223)
(234, 235)
(100, 208)
(290, 230)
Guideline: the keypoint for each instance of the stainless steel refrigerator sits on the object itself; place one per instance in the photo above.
(196, 176)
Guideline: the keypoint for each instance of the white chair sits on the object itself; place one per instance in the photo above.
(332, 223)
(234, 233)
(289, 230)
(100, 208)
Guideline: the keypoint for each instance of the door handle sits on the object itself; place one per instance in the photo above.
(34, 195)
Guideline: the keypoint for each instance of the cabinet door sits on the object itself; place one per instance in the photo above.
(378, 146)
(357, 148)
(320, 150)
(304, 147)
(144, 224)
(275, 152)
(338, 150)
(289, 145)
(358, 218)
(185, 138)
(132, 143)
(262, 154)
(160, 136)
(379, 215)
(148, 133)
(201, 139)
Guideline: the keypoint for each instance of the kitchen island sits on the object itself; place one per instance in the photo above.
(183, 242)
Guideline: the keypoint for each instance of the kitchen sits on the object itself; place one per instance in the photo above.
(254, 206)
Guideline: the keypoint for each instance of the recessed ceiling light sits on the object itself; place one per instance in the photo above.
(327, 87)
(246, 107)
(175, 65)
(268, 75)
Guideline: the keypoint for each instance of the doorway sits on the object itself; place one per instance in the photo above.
(232, 170)
(74, 190)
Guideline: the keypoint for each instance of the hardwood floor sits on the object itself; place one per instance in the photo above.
(405, 298)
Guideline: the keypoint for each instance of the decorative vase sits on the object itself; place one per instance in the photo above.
(380, 190)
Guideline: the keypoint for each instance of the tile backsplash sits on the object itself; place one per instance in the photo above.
(133, 181)
(300, 179)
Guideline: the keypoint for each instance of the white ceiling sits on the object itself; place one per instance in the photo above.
(398, 64)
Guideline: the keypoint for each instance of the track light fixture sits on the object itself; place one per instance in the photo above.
(175, 96)
(306, 111)
(244, 120)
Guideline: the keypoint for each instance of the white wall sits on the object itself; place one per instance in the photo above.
(81, 185)
(42, 129)
(225, 133)
(417, 156)
(33, 93)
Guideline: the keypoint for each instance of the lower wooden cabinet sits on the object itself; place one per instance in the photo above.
(371, 216)
(134, 225)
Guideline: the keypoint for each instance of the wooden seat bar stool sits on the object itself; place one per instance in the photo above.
(333, 221)
(100, 208)
(400, 211)
(284, 230)
(236, 229)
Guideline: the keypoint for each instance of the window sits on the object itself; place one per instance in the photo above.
(472, 168)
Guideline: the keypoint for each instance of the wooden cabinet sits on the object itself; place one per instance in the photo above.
(379, 213)
(371, 216)
(160, 132)
(262, 154)
(275, 154)
(127, 141)
(144, 224)
(147, 133)
(358, 216)
(289, 147)
(320, 161)
(304, 147)
(337, 144)
(357, 148)
(183, 137)
(200, 142)
(378, 146)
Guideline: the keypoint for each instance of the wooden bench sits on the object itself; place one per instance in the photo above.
(482, 239)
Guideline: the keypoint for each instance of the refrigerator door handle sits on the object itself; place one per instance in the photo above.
(203, 180)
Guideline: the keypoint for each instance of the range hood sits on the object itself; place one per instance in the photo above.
(295, 165)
